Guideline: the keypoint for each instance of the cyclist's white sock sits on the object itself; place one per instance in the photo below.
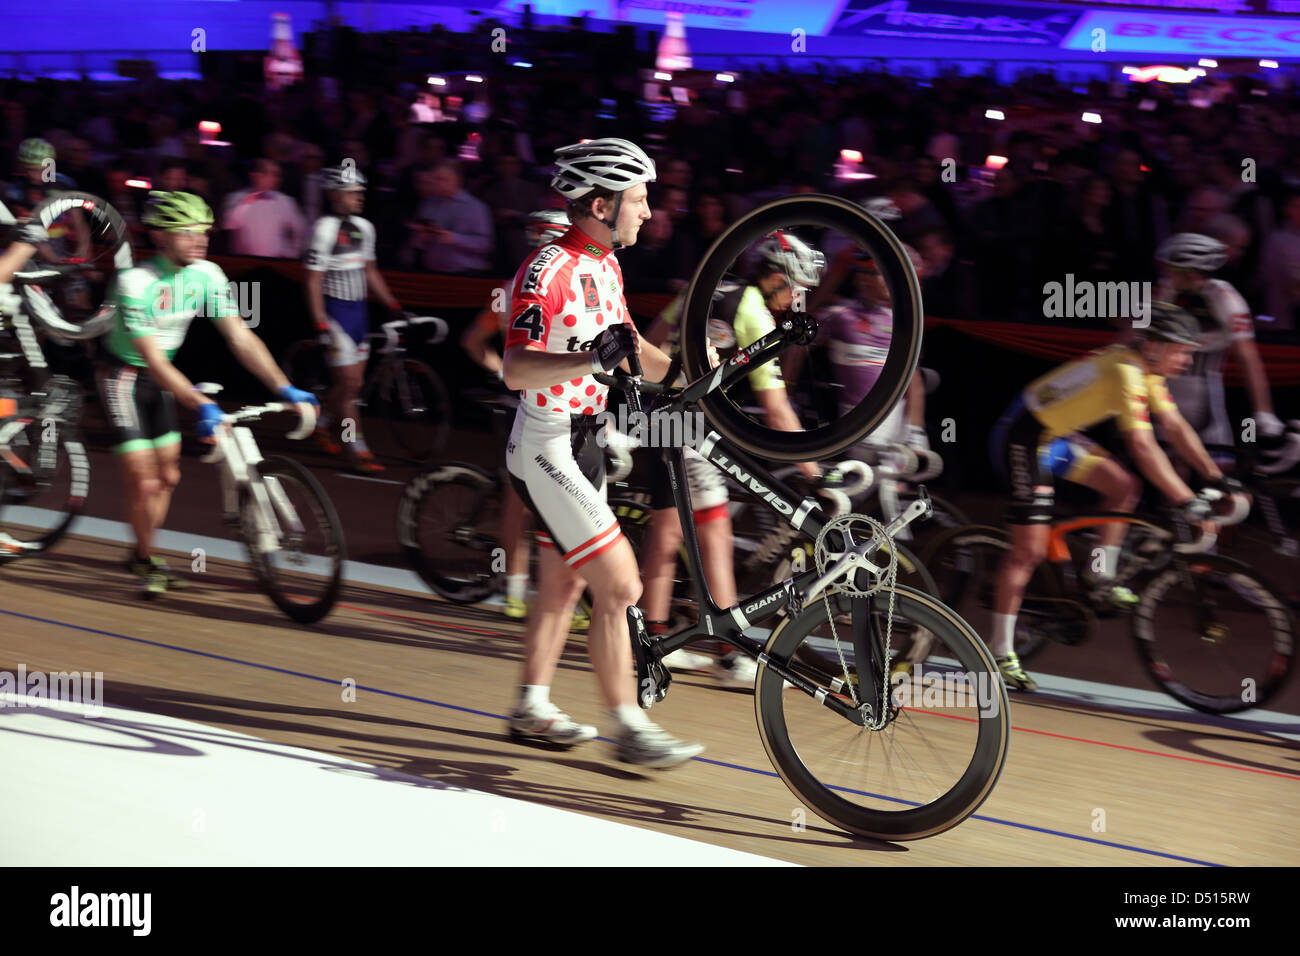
(532, 696)
(1110, 562)
(1003, 640)
(631, 717)
(517, 586)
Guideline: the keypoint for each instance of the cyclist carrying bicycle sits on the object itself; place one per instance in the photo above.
(140, 387)
(569, 319)
(543, 227)
(1038, 440)
(787, 266)
(341, 271)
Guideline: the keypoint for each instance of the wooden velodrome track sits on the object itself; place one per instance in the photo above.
(434, 681)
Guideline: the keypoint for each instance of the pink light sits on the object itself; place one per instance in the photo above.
(851, 155)
(209, 126)
(995, 162)
(139, 184)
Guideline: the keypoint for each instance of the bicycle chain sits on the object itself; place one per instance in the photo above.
(890, 578)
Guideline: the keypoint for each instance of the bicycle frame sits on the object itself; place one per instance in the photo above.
(804, 515)
(237, 455)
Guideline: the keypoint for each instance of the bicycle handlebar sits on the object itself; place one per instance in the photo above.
(250, 413)
(390, 329)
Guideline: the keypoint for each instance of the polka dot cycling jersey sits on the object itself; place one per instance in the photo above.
(564, 295)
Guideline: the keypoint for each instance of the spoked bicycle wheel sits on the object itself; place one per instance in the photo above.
(741, 289)
(38, 506)
(447, 523)
(942, 746)
(1214, 635)
(411, 404)
(304, 573)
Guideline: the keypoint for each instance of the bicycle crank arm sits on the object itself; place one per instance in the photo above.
(652, 677)
(855, 559)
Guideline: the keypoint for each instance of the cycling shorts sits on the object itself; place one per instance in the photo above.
(558, 469)
(1030, 459)
(708, 488)
(141, 413)
(349, 324)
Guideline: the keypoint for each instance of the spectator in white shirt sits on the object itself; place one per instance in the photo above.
(426, 109)
(261, 220)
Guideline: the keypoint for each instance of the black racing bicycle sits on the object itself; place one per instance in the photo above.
(879, 707)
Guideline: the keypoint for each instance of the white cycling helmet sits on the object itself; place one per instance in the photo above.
(546, 225)
(1191, 250)
(614, 164)
(801, 263)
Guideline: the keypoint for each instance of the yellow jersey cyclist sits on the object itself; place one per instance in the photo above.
(1038, 440)
(787, 266)
(140, 387)
(568, 320)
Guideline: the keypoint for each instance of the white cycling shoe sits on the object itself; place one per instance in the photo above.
(548, 724)
(652, 746)
(735, 670)
(684, 660)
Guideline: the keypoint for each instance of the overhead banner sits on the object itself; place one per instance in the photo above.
(947, 20)
(1137, 31)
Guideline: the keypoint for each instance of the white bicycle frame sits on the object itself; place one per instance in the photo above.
(238, 456)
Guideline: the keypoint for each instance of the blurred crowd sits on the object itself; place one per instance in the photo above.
(452, 173)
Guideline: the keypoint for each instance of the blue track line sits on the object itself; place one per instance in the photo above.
(483, 713)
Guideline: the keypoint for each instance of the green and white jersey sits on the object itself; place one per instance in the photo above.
(159, 299)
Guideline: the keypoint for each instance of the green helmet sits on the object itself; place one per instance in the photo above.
(34, 152)
(175, 210)
(1169, 323)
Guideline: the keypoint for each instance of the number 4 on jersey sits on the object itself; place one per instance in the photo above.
(530, 320)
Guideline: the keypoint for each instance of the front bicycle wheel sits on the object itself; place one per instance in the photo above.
(942, 745)
(447, 523)
(37, 508)
(416, 410)
(301, 567)
(1224, 640)
(734, 294)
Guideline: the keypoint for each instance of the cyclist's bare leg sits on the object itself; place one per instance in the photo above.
(659, 566)
(1028, 548)
(1120, 490)
(514, 517)
(615, 586)
(659, 563)
(342, 399)
(168, 460)
(143, 485)
(549, 617)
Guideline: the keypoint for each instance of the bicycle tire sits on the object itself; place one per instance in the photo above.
(268, 578)
(827, 440)
(474, 584)
(1153, 646)
(69, 447)
(416, 409)
(951, 807)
